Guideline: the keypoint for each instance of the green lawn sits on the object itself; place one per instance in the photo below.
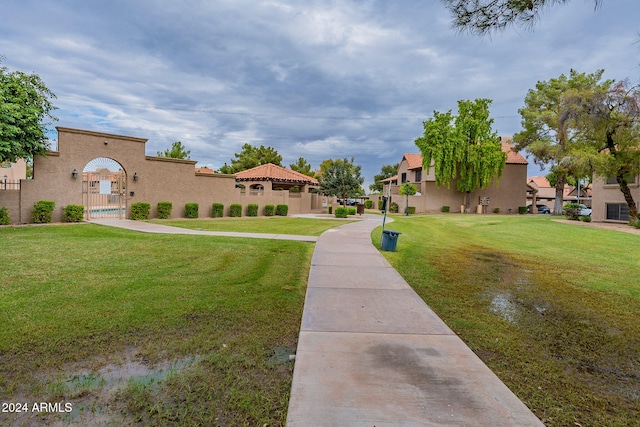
(198, 320)
(276, 225)
(552, 308)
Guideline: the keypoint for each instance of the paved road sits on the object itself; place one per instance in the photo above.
(372, 353)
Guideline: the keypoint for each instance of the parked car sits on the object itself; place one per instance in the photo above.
(584, 211)
(542, 209)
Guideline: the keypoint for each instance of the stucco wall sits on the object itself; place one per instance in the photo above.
(159, 179)
(602, 194)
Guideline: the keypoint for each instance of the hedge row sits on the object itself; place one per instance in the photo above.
(141, 210)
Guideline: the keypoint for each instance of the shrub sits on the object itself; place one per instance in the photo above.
(368, 204)
(282, 210)
(393, 207)
(140, 211)
(164, 210)
(42, 211)
(585, 218)
(341, 212)
(217, 210)
(351, 211)
(379, 204)
(269, 210)
(252, 210)
(4, 216)
(572, 211)
(635, 222)
(496, 210)
(412, 210)
(235, 210)
(330, 210)
(191, 210)
(522, 210)
(73, 213)
(446, 208)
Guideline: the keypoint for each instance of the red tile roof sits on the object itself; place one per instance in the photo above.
(205, 170)
(390, 179)
(414, 161)
(271, 172)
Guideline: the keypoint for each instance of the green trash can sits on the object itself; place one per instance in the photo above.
(390, 240)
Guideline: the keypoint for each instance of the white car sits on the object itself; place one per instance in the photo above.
(584, 211)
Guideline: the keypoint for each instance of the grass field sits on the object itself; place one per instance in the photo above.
(553, 309)
(196, 330)
(161, 330)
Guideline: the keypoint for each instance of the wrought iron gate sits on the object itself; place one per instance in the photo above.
(104, 194)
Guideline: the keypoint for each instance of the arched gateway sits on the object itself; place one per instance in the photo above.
(104, 186)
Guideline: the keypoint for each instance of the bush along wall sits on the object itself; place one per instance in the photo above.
(4, 216)
(252, 210)
(351, 211)
(42, 211)
(411, 210)
(235, 210)
(140, 211)
(368, 204)
(164, 210)
(282, 210)
(191, 210)
(446, 208)
(522, 210)
(73, 213)
(393, 207)
(341, 212)
(217, 210)
(269, 210)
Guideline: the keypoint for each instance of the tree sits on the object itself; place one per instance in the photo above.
(484, 16)
(407, 190)
(463, 148)
(341, 178)
(303, 167)
(608, 119)
(177, 151)
(25, 105)
(250, 157)
(387, 171)
(549, 132)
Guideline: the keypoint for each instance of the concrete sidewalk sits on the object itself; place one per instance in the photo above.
(372, 353)
(147, 227)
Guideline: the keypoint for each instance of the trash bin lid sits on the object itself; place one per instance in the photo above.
(391, 232)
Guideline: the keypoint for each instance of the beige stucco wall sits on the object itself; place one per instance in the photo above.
(509, 192)
(602, 194)
(159, 179)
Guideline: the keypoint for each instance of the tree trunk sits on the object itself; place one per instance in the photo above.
(557, 203)
(624, 187)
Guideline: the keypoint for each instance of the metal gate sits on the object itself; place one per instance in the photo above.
(104, 194)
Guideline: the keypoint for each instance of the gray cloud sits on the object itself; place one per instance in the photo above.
(314, 79)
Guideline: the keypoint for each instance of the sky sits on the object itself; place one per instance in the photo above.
(313, 79)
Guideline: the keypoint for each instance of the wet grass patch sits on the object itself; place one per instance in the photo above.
(551, 308)
(151, 329)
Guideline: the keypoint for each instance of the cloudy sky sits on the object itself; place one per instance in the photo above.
(311, 78)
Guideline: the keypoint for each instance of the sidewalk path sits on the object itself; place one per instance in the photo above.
(372, 353)
(147, 227)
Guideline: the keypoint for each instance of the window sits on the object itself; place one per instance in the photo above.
(418, 175)
(618, 211)
(404, 177)
(613, 180)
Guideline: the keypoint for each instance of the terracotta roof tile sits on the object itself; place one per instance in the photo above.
(271, 172)
(390, 179)
(205, 170)
(414, 161)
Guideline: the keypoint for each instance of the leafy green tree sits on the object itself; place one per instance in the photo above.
(177, 151)
(463, 148)
(549, 132)
(250, 157)
(484, 16)
(303, 167)
(387, 171)
(608, 119)
(341, 178)
(407, 190)
(25, 105)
